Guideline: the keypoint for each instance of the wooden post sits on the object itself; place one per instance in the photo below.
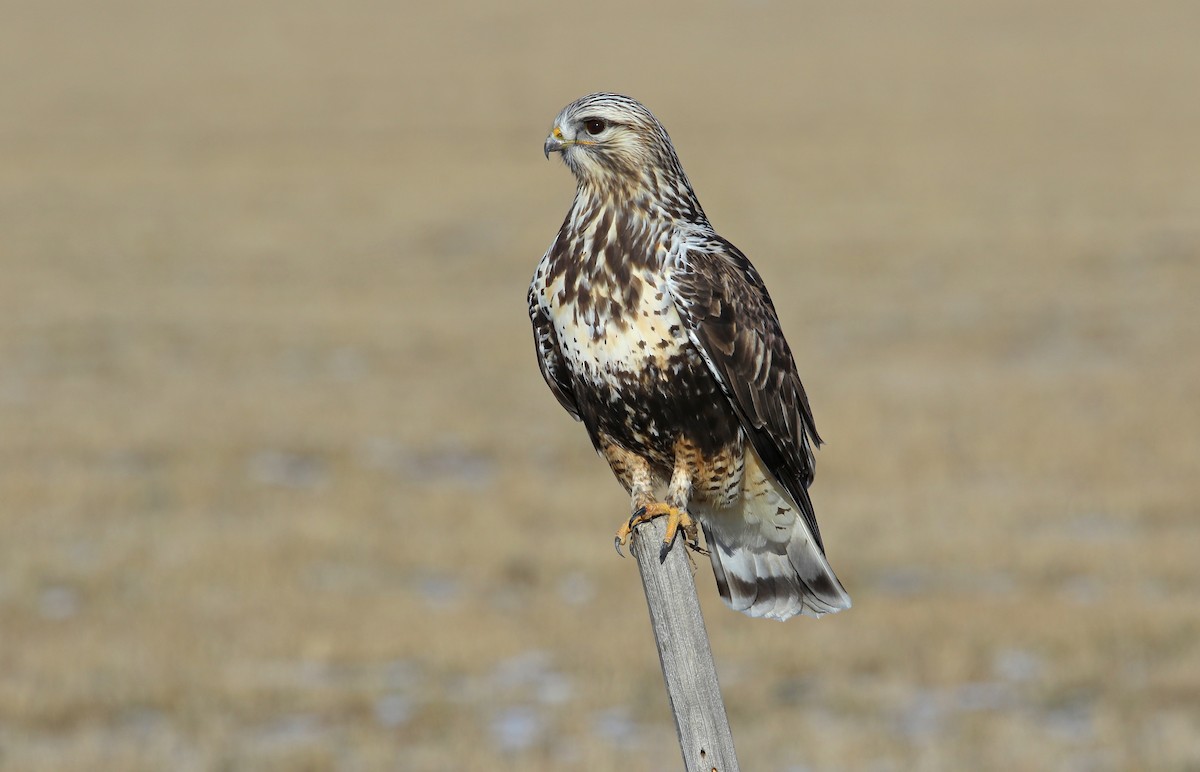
(683, 650)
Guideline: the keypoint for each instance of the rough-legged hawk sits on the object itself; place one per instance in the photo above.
(660, 337)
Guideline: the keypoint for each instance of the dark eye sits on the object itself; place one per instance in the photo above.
(594, 126)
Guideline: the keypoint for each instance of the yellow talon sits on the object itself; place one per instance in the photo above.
(676, 519)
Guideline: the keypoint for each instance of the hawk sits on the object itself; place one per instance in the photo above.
(659, 335)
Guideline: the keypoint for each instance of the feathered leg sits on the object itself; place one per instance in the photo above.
(634, 473)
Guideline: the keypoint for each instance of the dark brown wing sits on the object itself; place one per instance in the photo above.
(545, 341)
(730, 318)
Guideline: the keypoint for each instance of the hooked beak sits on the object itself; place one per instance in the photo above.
(555, 142)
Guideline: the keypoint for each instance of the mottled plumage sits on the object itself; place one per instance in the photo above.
(659, 336)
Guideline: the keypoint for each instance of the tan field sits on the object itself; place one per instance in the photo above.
(282, 489)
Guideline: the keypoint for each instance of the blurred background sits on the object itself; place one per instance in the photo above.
(281, 486)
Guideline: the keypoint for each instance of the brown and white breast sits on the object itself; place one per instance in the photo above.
(601, 338)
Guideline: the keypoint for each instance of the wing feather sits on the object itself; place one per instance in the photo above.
(550, 360)
(731, 320)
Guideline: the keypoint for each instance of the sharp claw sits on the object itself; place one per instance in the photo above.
(668, 540)
(682, 522)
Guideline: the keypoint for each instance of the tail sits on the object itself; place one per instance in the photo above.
(766, 562)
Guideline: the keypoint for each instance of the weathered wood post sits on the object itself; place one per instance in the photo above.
(683, 650)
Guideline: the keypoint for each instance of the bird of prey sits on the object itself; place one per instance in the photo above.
(659, 335)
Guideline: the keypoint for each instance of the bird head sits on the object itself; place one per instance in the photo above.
(612, 142)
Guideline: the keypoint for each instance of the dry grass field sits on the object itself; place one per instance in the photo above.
(281, 487)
